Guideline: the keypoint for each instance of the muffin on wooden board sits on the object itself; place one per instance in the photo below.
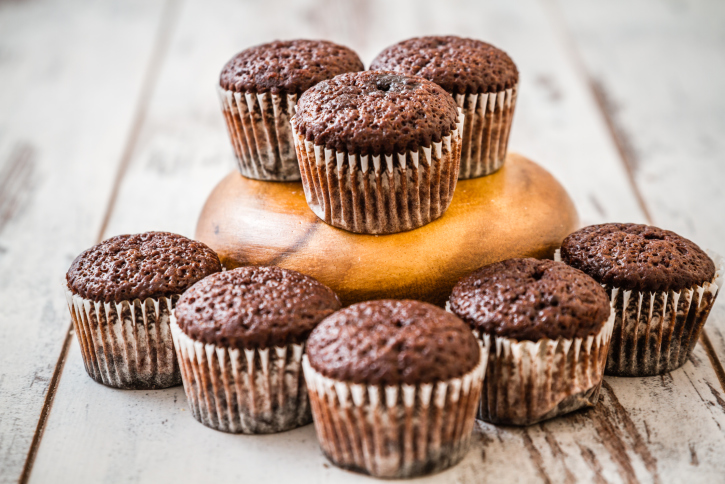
(120, 295)
(483, 80)
(547, 327)
(239, 337)
(662, 288)
(259, 88)
(379, 152)
(394, 386)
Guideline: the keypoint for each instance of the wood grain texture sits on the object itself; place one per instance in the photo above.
(666, 429)
(658, 68)
(520, 211)
(144, 436)
(59, 146)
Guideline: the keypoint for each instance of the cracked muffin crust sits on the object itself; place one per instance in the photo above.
(459, 65)
(389, 342)
(374, 113)
(287, 67)
(254, 307)
(140, 266)
(530, 299)
(637, 257)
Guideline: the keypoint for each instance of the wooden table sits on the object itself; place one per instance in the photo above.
(109, 123)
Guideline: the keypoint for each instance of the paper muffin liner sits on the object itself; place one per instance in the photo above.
(485, 131)
(126, 344)
(256, 391)
(527, 382)
(260, 131)
(654, 332)
(382, 194)
(395, 431)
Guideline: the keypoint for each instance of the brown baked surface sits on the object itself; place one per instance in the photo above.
(459, 65)
(139, 266)
(254, 307)
(375, 113)
(531, 299)
(389, 342)
(287, 67)
(637, 257)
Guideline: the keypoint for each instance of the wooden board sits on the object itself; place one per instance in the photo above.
(643, 61)
(60, 145)
(636, 433)
(99, 434)
(519, 211)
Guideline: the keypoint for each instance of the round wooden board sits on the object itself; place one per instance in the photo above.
(520, 211)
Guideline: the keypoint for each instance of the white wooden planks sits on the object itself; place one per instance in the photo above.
(635, 434)
(70, 74)
(183, 151)
(146, 436)
(660, 69)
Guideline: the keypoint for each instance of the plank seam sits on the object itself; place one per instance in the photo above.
(169, 17)
(602, 101)
(45, 411)
(712, 355)
(620, 141)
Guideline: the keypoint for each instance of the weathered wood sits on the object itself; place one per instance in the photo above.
(520, 211)
(147, 436)
(640, 60)
(70, 74)
(657, 69)
(644, 430)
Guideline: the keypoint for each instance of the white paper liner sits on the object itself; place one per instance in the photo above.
(527, 382)
(259, 128)
(126, 344)
(256, 391)
(380, 194)
(654, 332)
(485, 131)
(395, 431)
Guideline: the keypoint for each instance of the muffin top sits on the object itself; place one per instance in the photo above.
(530, 299)
(254, 307)
(391, 342)
(460, 66)
(637, 257)
(289, 67)
(375, 113)
(152, 264)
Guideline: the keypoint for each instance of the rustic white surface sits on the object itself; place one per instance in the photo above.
(661, 68)
(69, 75)
(658, 68)
(99, 434)
(661, 429)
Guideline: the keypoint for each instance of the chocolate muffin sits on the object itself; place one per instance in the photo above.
(379, 152)
(239, 337)
(259, 88)
(547, 327)
(394, 387)
(120, 295)
(662, 287)
(482, 79)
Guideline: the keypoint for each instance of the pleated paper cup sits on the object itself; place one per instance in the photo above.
(382, 194)
(654, 332)
(126, 344)
(485, 131)
(257, 391)
(527, 382)
(395, 431)
(259, 128)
